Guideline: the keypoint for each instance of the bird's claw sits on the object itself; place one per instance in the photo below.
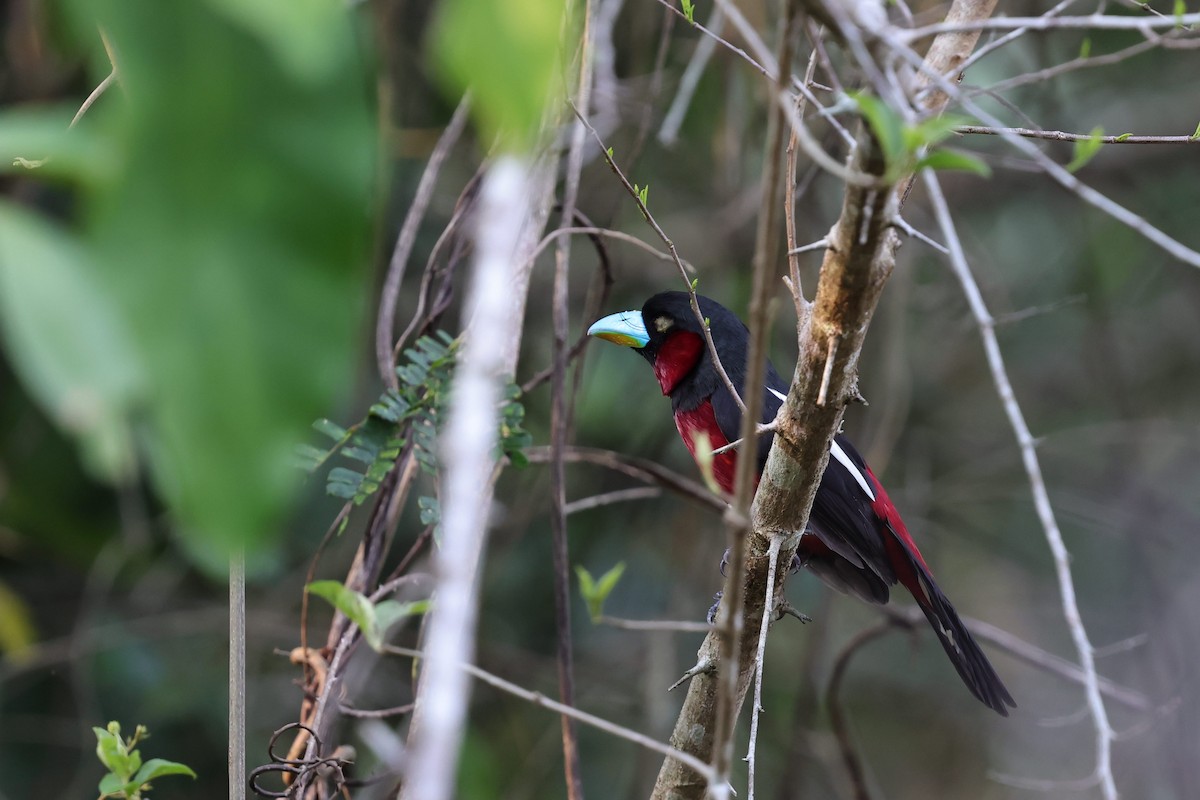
(724, 562)
(711, 616)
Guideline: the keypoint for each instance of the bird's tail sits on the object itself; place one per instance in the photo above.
(964, 652)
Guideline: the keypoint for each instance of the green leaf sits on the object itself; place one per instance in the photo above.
(955, 160)
(355, 605)
(595, 592)
(609, 151)
(644, 194)
(1086, 149)
(158, 768)
(887, 126)
(507, 53)
(1196, 135)
(1123, 137)
(110, 749)
(1180, 10)
(389, 612)
(608, 581)
(234, 239)
(110, 784)
(689, 11)
(1085, 47)
(297, 33)
(933, 130)
(587, 587)
(67, 340)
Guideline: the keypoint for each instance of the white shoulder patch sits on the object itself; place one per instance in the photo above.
(837, 452)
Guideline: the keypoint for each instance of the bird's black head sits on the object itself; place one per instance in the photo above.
(668, 334)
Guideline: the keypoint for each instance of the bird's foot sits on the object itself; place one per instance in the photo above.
(724, 561)
(786, 609)
(704, 666)
(797, 563)
(711, 616)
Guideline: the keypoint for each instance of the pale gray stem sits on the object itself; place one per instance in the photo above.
(1041, 499)
(763, 625)
(505, 202)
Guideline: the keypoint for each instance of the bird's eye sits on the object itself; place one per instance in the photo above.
(662, 323)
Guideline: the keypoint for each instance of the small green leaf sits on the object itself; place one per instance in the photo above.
(886, 124)
(111, 750)
(595, 592)
(695, 283)
(689, 11)
(587, 587)
(1123, 137)
(1085, 47)
(610, 153)
(1196, 135)
(160, 767)
(1086, 149)
(608, 580)
(110, 784)
(953, 159)
(357, 608)
(644, 194)
(389, 612)
(1180, 10)
(330, 429)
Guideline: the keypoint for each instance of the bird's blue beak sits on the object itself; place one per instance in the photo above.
(625, 328)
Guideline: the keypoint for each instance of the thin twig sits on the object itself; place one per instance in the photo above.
(390, 294)
(680, 626)
(559, 416)
(827, 374)
(471, 428)
(708, 340)
(1056, 171)
(1041, 498)
(759, 431)
(1106, 22)
(611, 498)
(837, 713)
(637, 468)
(537, 698)
(668, 132)
(730, 618)
(1063, 136)
(763, 623)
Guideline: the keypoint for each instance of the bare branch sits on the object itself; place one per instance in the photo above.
(390, 294)
(764, 622)
(537, 698)
(1062, 136)
(506, 202)
(1106, 22)
(611, 498)
(1041, 499)
(668, 132)
(559, 418)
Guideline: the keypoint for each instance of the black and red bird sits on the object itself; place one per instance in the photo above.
(856, 541)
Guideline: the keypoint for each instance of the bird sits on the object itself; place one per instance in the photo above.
(856, 541)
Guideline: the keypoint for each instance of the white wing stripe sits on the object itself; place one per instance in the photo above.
(837, 452)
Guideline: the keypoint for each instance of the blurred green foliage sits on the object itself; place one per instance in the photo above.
(205, 302)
